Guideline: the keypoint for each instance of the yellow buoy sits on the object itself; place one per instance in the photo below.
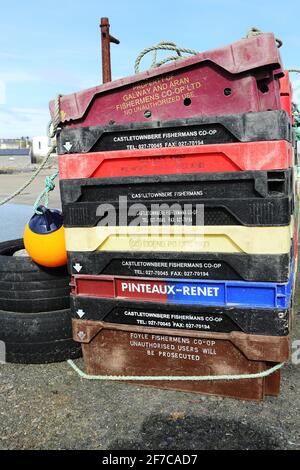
(44, 238)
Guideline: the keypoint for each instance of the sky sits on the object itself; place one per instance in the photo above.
(50, 47)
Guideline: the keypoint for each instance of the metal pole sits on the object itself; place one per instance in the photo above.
(106, 39)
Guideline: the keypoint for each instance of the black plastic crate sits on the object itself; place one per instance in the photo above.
(251, 198)
(209, 319)
(210, 266)
(245, 127)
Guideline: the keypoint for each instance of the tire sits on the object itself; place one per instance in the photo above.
(35, 318)
(23, 269)
(35, 327)
(34, 294)
(27, 287)
(42, 353)
(59, 283)
(35, 305)
(38, 338)
(22, 277)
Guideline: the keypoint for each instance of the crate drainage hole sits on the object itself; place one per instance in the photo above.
(187, 102)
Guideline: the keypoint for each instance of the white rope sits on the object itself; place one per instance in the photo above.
(193, 378)
(256, 32)
(163, 46)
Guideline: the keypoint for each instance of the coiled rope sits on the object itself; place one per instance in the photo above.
(163, 46)
(172, 46)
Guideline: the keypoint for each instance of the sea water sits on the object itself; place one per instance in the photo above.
(13, 218)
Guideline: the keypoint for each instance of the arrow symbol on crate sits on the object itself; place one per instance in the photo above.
(77, 267)
(80, 313)
(68, 146)
(81, 335)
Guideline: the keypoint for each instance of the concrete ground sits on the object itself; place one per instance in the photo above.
(11, 163)
(10, 182)
(50, 407)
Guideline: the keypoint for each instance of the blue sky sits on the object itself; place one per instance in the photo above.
(49, 47)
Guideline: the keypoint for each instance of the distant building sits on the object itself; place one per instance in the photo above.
(10, 144)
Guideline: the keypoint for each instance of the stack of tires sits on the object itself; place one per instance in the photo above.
(35, 319)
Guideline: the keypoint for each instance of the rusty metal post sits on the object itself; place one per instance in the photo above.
(106, 39)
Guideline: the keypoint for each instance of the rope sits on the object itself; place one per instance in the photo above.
(44, 196)
(52, 129)
(55, 121)
(256, 32)
(171, 46)
(193, 378)
(162, 46)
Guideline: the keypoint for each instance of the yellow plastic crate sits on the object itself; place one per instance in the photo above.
(208, 239)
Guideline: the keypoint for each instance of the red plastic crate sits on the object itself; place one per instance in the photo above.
(241, 77)
(269, 155)
(286, 93)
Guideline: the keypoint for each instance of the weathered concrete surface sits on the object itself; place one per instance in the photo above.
(10, 182)
(50, 407)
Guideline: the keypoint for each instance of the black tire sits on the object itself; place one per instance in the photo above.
(42, 353)
(32, 276)
(35, 305)
(27, 287)
(35, 327)
(35, 285)
(35, 319)
(34, 294)
(23, 269)
(38, 338)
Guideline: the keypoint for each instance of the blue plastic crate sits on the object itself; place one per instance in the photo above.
(231, 293)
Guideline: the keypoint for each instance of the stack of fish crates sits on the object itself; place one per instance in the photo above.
(178, 195)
